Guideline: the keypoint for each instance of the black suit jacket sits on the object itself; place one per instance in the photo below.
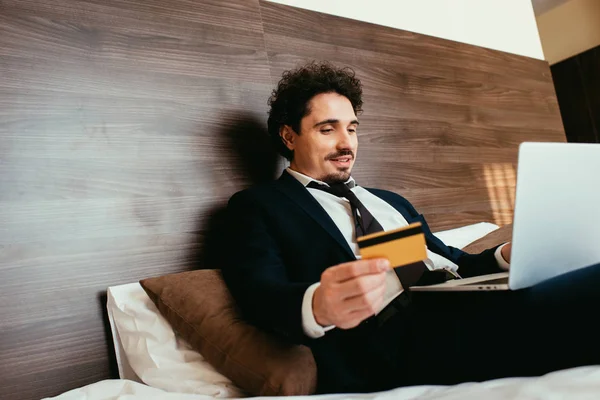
(279, 240)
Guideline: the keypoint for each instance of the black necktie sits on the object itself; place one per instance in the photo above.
(365, 224)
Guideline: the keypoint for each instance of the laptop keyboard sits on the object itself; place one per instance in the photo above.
(499, 281)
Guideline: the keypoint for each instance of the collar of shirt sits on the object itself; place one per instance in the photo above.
(305, 179)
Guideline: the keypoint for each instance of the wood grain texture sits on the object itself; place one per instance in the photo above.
(124, 128)
(442, 120)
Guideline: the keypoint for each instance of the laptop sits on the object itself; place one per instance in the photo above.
(556, 225)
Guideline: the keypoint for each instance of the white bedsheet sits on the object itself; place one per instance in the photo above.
(576, 383)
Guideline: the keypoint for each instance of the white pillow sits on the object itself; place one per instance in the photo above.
(148, 350)
(461, 237)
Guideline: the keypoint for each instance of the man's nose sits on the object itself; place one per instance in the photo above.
(345, 140)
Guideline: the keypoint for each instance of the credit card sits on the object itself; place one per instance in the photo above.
(400, 246)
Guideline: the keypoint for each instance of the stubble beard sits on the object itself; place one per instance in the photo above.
(340, 176)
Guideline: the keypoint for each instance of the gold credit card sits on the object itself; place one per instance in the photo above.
(401, 246)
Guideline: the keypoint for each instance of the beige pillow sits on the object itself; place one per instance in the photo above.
(200, 308)
(492, 239)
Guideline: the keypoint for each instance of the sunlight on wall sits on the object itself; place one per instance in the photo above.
(500, 180)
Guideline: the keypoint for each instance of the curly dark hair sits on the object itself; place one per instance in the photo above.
(289, 101)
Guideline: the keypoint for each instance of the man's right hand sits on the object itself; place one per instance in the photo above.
(350, 293)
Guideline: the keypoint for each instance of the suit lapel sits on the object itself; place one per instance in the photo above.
(299, 194)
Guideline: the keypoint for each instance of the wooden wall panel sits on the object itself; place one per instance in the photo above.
(442, 120)
(124, 127)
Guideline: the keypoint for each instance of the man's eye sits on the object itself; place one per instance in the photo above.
(326, 130)
(352, 130)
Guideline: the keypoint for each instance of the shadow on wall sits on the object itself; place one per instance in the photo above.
(244, 157)
(113, 369)
(249, 159)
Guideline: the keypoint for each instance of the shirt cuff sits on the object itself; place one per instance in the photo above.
(501, 261)
(309, 324)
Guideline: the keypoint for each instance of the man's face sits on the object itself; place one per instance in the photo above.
(326, 147)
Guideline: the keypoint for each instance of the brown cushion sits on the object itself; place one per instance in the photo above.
(492, 239)
(200, 308)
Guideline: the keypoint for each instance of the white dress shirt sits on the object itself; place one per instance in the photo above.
(338, 208)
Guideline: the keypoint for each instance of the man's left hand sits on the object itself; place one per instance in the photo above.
(505, 252)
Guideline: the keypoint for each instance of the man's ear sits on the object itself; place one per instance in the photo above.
(288, 136)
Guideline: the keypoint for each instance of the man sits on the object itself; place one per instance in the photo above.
(294, 267)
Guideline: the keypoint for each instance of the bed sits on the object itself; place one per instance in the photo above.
(576, 383)
(155, 362)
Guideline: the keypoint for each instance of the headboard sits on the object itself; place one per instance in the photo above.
(126, 125)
